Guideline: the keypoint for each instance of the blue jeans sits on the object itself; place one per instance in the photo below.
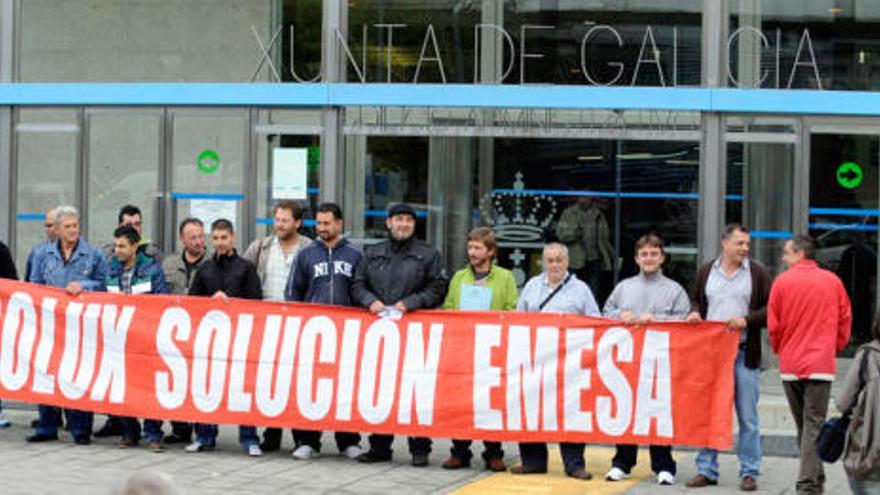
(869, 485)
(748, 448)
(207, 435)
(131, 428)
(80, 422)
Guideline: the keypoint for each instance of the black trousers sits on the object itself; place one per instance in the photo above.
(462, 450)
(535, 455)
(381, 444)
(661, 458)
(181, 429)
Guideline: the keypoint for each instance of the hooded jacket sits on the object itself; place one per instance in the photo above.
(323, 274)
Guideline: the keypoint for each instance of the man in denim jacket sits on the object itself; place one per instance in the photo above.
(72, 264)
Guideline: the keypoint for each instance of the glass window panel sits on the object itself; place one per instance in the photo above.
(46, 175)
(123, 169)
(844, 188)
(822, 43)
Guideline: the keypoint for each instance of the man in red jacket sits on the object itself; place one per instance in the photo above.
(809, 318)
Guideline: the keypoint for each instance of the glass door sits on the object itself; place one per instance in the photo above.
(124, 154)
(843, 213)
(208, 150)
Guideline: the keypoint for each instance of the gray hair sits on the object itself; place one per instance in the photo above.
(65, 211)
(148, 483)
(553, 246)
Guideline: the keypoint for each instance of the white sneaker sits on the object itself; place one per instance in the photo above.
(616, 474)
(196, 446)
(304, 453)
(665, 478)
(4, 421)
(254, 451)
(352, 452)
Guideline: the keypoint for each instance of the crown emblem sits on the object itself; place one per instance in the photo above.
(518, 215)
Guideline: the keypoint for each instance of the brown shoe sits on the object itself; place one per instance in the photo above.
(455, 462)
(528, 470)
(496, 464)
(748, 484)
(126, 442)
(157, 447)
(700, 481)
(581, 474)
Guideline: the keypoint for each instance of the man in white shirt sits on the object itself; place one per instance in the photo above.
(274, 256)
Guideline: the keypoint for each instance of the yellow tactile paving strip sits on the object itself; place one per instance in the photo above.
(556, 482)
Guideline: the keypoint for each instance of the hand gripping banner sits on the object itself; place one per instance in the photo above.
(452, 374)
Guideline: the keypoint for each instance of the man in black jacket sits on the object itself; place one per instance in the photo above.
(399, 275)
(322, 274)
(7, 270)
(223, 276)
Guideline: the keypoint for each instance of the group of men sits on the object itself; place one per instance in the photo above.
(807, 310)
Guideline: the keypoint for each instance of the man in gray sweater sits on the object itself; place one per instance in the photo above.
(647, 297)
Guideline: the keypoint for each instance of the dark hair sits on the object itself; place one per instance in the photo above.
(650, 240)
(330, 208)
(730, 228)
(875, 327)
(130, 210)
(486, 236)
(187, 221)
(292, 206)
(804, 244)
(222, 224)
(128, 232)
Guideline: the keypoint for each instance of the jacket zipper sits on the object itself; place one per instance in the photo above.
(330, 271)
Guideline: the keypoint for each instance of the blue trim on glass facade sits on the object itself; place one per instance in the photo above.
(30, 217)
(770, 234)
(217, 197)
(724, 100)
(845, 212)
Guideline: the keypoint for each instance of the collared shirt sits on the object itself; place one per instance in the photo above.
(574, 297)
(729, 295)
(277, 270)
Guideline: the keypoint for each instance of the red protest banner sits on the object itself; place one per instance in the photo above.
(481, 375)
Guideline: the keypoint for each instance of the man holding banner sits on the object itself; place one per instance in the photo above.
(399, 275)
(480, 286)
(322, 274)
(76, 266)
(555, 291)
(226, 275)
(132, 271)
(735, 289)
(649, 296)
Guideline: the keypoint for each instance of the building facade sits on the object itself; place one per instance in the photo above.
(672, 116)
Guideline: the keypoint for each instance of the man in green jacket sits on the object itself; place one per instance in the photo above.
(480, 286)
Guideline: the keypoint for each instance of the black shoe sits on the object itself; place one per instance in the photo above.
(110, 429)
(370, 457)
(39, 437)
(174, 438)
(82, 440)
(270, 446)
(420, 460)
